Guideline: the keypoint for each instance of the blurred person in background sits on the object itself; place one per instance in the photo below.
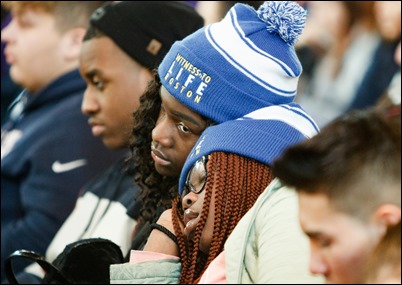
(125, 41)
(384, 71)
(214, 11)
(348, 180)
(47, 150)
(9, 89)
(352, 54)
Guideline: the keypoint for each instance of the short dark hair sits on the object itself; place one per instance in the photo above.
(355, 161)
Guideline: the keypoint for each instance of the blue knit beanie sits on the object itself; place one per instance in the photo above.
(261, 135)
(244, 62)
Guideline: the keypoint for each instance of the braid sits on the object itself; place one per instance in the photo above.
(222, 198)
(177, 218)
(228, 197)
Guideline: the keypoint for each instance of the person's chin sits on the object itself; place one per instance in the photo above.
(111, 143)
(165, 170)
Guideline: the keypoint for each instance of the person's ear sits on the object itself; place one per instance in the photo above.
(72, 43)
(388, 215)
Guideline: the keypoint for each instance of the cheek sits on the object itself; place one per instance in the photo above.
(347, 260)
(208, 231)
(184, 146)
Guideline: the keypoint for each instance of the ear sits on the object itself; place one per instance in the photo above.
(72, 43)
(388, 215)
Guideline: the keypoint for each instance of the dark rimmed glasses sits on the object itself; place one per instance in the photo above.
(196, 177)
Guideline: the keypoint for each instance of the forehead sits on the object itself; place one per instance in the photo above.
(315, 211)
(103, 52)
(170, 103)
(313, 206)
(318, 216)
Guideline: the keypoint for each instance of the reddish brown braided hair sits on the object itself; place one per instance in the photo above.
(239, 181)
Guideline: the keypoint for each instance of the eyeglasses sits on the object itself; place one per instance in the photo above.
(196, 177)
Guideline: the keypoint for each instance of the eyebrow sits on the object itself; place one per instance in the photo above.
(185, 117)
(314, 235)
(93, 72)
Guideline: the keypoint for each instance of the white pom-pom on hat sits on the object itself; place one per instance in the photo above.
(286, 18)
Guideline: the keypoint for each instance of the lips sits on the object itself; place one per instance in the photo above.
(159, 157)
(190, 222)
(10, 59)
(97, 129)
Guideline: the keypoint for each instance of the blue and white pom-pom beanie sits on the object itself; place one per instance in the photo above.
(244, 62)
(261, 135)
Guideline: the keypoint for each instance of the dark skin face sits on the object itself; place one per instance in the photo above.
(192, 203)
(176, 132)
(115, 83)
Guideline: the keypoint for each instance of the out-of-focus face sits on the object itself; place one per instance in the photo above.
(340, 244)
(388, 17)
(115, 82)
(176, 132)
(34, 49)
(192, 202)
(325, 23)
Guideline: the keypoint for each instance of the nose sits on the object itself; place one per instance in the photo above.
(8, 32)
(89, 103)
(188, 200)
(162, 132)
(318, 264)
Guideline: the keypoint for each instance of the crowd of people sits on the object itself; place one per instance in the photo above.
(242, 142)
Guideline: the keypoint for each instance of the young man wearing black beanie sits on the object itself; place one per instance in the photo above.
(124, 43)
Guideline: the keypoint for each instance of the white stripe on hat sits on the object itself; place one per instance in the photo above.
(254, 63)
(290, 115)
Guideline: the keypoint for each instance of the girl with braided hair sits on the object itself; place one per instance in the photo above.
(227, 184)
(222, 178)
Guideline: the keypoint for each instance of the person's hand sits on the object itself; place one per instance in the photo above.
(159, 241)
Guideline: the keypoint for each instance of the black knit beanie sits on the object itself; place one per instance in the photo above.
(146, 30)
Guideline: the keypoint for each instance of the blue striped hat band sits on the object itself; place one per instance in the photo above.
(261, 135)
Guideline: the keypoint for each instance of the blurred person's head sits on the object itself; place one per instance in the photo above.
(325, 24)
(124, 43)
(43, 39)
(360, 12)
(214, 11)
(384, 263)
(388, 17)
(348, 179)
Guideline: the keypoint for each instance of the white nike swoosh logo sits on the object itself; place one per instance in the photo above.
(58, 167)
